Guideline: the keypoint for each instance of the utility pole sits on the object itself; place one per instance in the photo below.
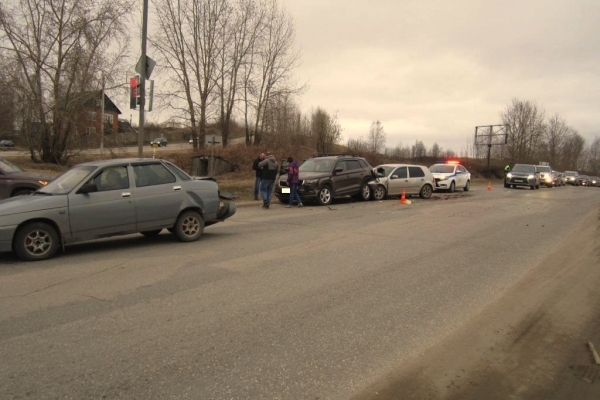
(143, 81)
(102, 117)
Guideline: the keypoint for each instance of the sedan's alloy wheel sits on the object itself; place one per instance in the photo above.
(379, 193)
(189, 226)
(36, 241)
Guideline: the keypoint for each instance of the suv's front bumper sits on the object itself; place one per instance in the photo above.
(306, 193)
(521, 181)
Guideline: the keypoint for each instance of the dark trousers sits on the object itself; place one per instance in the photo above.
(257, 186)
(294, 194)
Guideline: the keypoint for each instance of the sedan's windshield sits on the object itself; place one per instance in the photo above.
(543, 168)
(524, 168)
(8, 168)
(67, 181)
(316, 165)
(442, 169)
(569, 173)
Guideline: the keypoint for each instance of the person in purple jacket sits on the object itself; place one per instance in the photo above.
(292, 180)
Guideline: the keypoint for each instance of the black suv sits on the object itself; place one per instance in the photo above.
(327, 176)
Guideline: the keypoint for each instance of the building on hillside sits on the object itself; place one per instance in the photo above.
(90, 119)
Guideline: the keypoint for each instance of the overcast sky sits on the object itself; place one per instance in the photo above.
(432, 70)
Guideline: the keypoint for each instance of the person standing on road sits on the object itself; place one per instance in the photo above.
(292, 180)
(258, 178)
(507, 169)
(269, 173)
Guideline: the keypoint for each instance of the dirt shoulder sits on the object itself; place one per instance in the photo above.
(530, 344)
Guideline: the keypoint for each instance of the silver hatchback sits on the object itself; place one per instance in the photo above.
(108, 198)
(393, 179)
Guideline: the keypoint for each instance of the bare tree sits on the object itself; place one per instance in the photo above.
(58, 48)
(273, 63)
(436, 150)
(326, 130)
(240, 35)
(554, 139)
(525, 125)
(376, 136)
(418, 150)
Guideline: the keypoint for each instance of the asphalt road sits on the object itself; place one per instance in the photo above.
(310, 303)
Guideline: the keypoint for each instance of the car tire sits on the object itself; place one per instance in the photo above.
(379, 193)
(151, 233)
(189, 226)
(365, 192)
(532, 187)
(426, 191)
(451, 189)
(537, 186)
(325, 196)
(283, 201)
(23, 192)
(36, 241)
(468, 186)
(506, 185)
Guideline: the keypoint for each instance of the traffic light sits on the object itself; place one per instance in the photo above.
(134, 92)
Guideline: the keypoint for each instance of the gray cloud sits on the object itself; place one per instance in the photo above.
(433, 70)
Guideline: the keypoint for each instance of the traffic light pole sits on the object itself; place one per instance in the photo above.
(143, 81)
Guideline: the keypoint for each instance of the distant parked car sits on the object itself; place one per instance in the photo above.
(594, 181)
(392, 179)
(161, 142)
(107, 198)
(523, 175)
(546, 177)
(561, 181)
(582, 180)
(6, 143)
(16, 182)
(571, 177)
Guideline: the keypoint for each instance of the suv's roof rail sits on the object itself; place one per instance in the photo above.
(338, 154)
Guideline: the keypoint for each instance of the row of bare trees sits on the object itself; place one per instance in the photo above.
(532, 137)
(52, 54)
(225, 58)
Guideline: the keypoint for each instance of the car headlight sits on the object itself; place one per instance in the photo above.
(548, 179)
(310, 182)
(530, 177)
(43, 183)
(509, 175)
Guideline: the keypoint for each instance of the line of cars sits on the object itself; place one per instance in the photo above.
(328, 176)
(534, 176)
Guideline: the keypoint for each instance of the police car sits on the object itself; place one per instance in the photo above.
(450, 175)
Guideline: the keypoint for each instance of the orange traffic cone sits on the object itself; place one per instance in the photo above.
(403, 197)
(489, 185)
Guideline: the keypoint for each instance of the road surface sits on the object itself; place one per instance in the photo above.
(436, 300)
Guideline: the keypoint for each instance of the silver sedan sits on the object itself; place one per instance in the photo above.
(108, 198)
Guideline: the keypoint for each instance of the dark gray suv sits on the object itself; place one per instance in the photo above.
(325, 177)
(16, 182)
(523, 175)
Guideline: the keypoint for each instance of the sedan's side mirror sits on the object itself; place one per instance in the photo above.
(339, 170)
(88, 188)
(394, 176)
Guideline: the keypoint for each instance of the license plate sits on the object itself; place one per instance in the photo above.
(519, 180)
(285, 190)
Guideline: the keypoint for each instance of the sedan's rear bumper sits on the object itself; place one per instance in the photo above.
(226, 210)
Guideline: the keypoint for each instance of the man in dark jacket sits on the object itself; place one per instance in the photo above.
(269, 174)
(258, 178)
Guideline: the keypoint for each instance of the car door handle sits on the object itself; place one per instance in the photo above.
(126, 194)
(176, 188)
